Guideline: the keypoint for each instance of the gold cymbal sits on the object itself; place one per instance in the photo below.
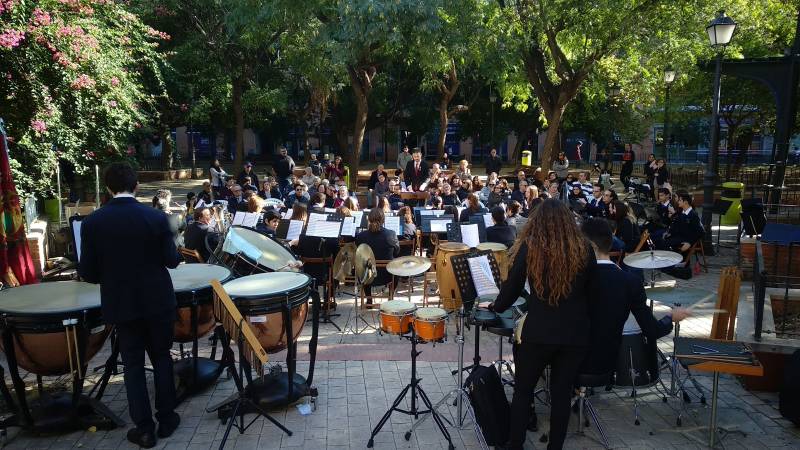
(365, 264)
(408, 266)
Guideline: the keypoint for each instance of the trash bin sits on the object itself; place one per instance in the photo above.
(527, 157)
(732, 191)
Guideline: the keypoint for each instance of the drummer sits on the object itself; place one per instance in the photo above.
(616, 295)
(384, 245)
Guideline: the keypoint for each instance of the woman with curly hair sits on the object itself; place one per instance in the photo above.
(557, 262)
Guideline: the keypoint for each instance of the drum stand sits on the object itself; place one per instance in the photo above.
(460, 392)
(195, 373)
(352, 325)
(416, 390)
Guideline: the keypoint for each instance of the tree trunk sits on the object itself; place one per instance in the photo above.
(166, 150)
(443, 121)
(354, 157)
(552, 144)
(238, 113)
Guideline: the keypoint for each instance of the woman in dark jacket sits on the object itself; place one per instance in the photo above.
(384, 245)
(556, 330)
(626, 229)
(473, 207)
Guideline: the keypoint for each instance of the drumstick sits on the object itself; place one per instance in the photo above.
(710, 310)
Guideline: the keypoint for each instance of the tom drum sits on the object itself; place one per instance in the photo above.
(396, 316)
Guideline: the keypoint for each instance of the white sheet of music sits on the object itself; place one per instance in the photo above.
(250, 220)
(439, 226)
(288, 214)
(460, 208)
(314, 217)
(330, 210)
(427, 212)
(323, 228)
(295, 228)
(348, 227)
(487, 220)
(238, 218)
(482, 277)
(358, 216)
(469, 235)
(76, 233)
(393, 223)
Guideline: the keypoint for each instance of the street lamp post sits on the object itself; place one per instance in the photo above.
(492, 99)
(720, 31)
(669, 77)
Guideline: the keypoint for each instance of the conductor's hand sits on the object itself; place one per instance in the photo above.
(679, 314)
(685, 246)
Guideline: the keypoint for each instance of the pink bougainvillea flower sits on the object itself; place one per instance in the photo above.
(41, 18)
(38, 126)
(114, 81)
(112, 103)
(83, 81)
(11, 38)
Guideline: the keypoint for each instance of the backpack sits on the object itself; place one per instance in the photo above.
(488, 399)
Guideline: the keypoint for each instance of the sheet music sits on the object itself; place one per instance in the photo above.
(329, 210)
(439, 226)
(482, 276)
(469, 235)
(76, 234)
(287, 215)
(314, 217)
(295, 228)
(487, 220)
(427, 212)
(393, 223)
(323, 228)
(250, 220)
(238, 218)
(358, 216)
(348, 227)
(460, 208)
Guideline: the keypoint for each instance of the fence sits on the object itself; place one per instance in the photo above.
(776, 274)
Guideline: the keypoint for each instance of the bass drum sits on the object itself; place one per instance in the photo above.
(36, 315)
(449, 293)
(261, 298)
(247, 252)
(192, 283)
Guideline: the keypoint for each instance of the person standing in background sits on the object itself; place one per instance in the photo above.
(283, 169)
(403, 158)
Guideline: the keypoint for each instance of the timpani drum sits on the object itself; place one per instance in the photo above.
(192, 285)
(396, 316)
(263, 298)
(44, 321)
(449, 294)
(429, 324)
(247, 252)
(500, 252)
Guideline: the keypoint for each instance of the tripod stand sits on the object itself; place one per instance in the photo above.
(415, 390)
(460, 393)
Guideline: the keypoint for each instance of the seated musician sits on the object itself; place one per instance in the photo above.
(317, 203)
(513, 216)
(409, 228)
(395, 200)
(473, 207)
(685, 228)
(626, 234)
(384, 245)
(616, 295)
(235, 199)
(384, 205)
(664, 213)
(501, 232)
(330, 196)
(255, 204)
(194, 238)
(248, 185)
(270, 223)
(595, 206)
(433, 194)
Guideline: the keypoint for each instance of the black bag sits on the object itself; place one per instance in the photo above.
(754, 219)
(789, 397)
(489, 401)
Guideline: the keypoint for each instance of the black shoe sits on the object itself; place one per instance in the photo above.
(167, 427)
(144, 439)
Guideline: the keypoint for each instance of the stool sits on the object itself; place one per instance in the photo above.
(505, 332)
(585, 405)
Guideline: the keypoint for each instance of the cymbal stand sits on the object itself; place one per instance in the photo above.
(352, 324)
(416, 390)
(460, 392)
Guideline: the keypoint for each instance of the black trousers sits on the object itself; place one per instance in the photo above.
(154, 336)
(530, 361)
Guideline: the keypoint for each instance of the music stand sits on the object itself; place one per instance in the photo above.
(235, 327)
(720, 207)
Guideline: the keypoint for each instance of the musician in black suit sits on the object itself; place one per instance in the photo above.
(195, 236)
(664, 212)
(384, 245)
(559, 264)
(416, 172)
(127, 247)
(595, 207)
(615, 295)
(501, 232)
(685, 229)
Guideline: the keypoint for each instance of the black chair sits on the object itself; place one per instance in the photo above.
(584, 382)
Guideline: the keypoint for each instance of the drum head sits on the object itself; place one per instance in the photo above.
(258, 247)
(50, 298)
(397, 307)
(193, 277)
(453, 246)
(266, 284)
(430, 313)
(493, 246)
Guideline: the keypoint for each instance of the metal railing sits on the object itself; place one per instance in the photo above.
(780, 275)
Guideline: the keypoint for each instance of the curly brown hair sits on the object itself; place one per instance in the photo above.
(556, 250)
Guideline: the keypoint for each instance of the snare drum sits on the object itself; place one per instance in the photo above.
(247, 252)
(429, 324)
(396, 316)
(500, 252)
(45, 320)
(449, 294)
(192, 284)
(262, 298)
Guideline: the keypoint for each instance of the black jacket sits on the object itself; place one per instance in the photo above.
(629, 233)
(494, 165)
(451, 199)
(284, 167)
(686, 227)
(373, 178)
(661, 175)
(253, 178)
(127, 247)
(195, 238)
(384, 245)
(565, 324)
(412, 178)
(614, 294)
(501, 233)
(596, 208)
(465, 213)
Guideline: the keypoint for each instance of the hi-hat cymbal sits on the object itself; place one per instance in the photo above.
(365, 264)
(655, 259)
(408, 266)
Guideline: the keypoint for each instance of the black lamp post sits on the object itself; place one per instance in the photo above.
(720, 31)
(669, 77)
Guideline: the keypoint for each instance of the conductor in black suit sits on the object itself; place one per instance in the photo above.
(416, 172)
(127, 247)
(384, 245)
(615, 295)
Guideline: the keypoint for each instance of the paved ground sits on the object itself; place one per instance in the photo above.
(359, 376)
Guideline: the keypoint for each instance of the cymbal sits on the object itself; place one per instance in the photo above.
(343, 264)
(653, 259)
(408, 266)
(365, 264)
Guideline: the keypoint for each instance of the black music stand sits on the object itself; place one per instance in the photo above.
(719, 208)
